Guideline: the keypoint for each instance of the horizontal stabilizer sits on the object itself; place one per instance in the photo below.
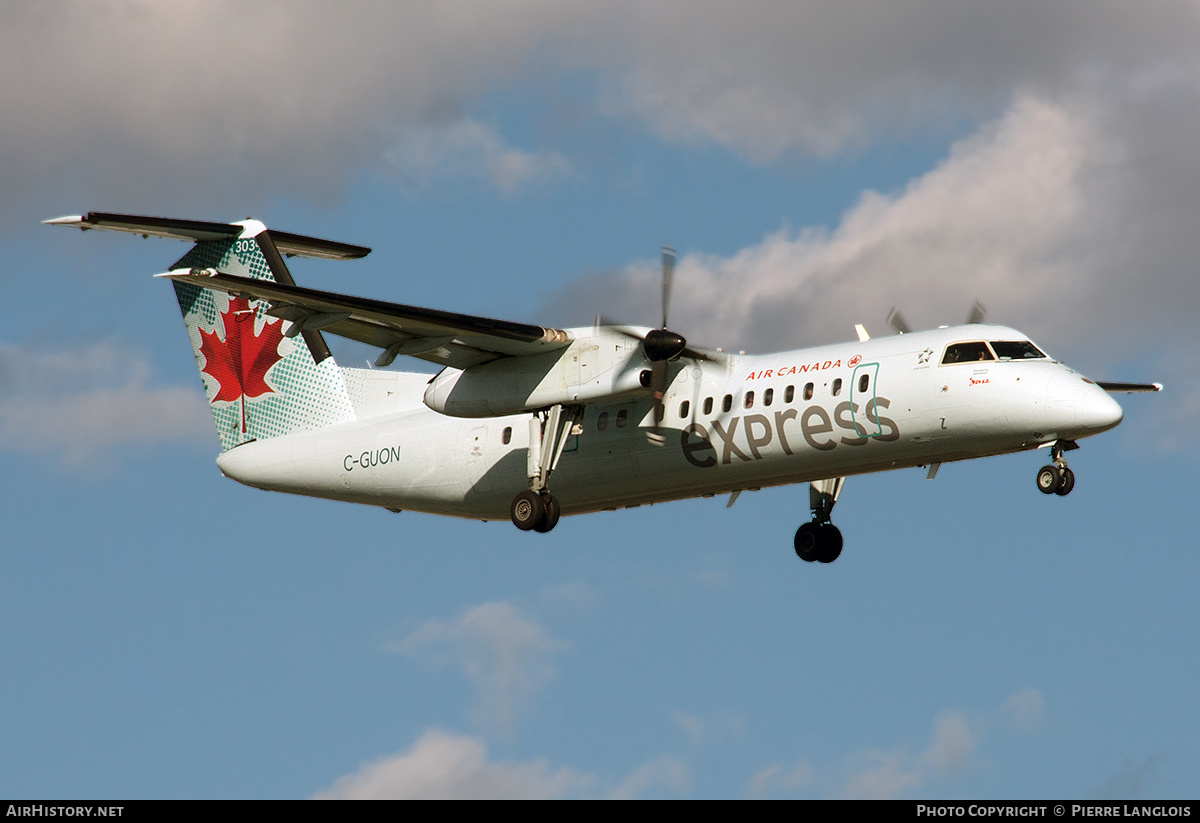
(200, 230)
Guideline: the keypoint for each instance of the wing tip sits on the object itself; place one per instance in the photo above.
(77, 220)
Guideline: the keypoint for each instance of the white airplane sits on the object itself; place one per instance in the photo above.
(619, 416)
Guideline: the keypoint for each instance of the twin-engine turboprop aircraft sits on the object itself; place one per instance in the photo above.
(618, 415)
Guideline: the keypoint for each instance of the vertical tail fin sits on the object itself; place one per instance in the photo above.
(261, 380)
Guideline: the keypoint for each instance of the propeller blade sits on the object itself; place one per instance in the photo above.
(897, 322)
(978, 313)
(668, 274)
(658, 379)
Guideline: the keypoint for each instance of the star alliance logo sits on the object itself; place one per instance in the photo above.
(924, 356)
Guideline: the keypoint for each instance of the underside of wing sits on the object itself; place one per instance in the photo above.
(441, 337)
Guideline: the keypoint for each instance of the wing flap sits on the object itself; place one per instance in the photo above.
(441, 337)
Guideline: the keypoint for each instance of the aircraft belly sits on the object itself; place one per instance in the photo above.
(391, 462)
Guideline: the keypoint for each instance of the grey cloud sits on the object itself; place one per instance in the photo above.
(222, 100)
(765, 77)
(195, 102)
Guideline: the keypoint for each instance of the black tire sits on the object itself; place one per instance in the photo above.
(829, 543)
(1049, 479)
(806, 542)
(1067, 483)
(527, 511)
(553, 510)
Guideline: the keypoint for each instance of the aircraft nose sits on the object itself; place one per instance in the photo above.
(1097, 410)
(1077, 407)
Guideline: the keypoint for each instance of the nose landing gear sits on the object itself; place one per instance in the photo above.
(1057, 478)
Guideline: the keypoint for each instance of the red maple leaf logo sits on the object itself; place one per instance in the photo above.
(240, 362)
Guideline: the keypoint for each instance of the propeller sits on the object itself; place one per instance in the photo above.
(977, 314)
(662, 346)
(897, 322)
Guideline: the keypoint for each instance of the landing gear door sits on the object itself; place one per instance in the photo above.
(862, 398)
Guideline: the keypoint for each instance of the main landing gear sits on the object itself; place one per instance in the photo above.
(537, 509)
(1057, 478)
(819, 539)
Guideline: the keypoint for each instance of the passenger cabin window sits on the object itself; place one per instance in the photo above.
(621, 417)
(506, 435)
(808, 391)
(727, 403)
(967, 353)
(837, 387)
(683, 408)
(789, 394)
(749, 401)
(660, 411)
(768, 396)
(602, 421)
(863, 382)
(1016, 350)
(708, 405)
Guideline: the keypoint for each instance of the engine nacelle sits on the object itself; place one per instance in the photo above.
(592, 368)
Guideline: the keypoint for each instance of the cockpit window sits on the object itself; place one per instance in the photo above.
(1016, 350)
(967, 353)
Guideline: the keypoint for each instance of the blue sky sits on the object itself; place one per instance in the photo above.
(169, 633)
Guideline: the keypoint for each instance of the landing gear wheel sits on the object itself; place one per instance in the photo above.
(552, 512)
(528, 510)
(1066, 484)
(1050, 479)
(829, 543)
(806, 541)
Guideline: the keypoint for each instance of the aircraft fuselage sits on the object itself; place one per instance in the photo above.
(747, 422)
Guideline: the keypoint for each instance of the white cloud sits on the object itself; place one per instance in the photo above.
(79, 404)
(780, 779)
(661, 773)
(453, 767)
(446, 766)
(1025, 711)
(430, 153)
(954, 742)
(505, 655)
(993, 220)
(1068, 217)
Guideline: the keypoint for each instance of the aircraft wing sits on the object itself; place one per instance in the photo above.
(1128, 388)
(445, 338)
